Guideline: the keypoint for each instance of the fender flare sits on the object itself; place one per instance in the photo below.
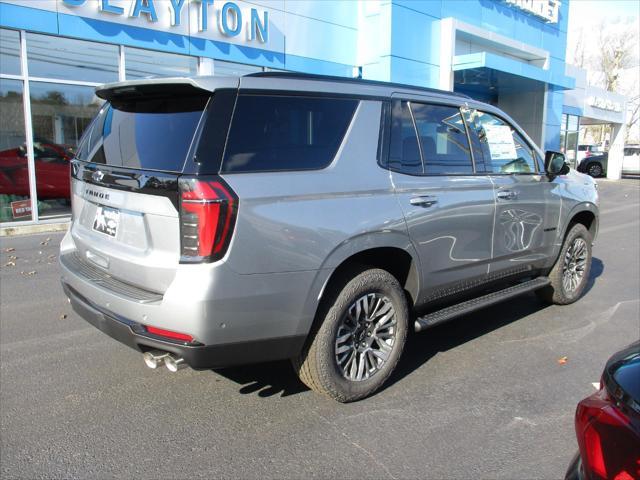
(345, 250)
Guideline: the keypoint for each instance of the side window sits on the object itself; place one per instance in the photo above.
(404, 151)
(276, 133)
(505, 151)
(445, 147)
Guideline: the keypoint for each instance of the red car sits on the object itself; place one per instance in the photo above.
(52, 171)
(608, 423)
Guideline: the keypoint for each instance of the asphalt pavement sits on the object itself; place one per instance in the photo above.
(490, 395)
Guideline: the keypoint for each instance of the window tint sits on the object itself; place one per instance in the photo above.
(152, 134)
(505, 151)
(445, 147)
(404, 151)
(271, 133)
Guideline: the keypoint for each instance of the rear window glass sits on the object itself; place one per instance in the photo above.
(272, 133)
(153, 134)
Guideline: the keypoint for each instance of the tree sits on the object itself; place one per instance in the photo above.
(617, 62)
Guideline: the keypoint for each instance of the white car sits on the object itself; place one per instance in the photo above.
(631, 161)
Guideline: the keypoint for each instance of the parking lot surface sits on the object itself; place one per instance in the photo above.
(489, 395)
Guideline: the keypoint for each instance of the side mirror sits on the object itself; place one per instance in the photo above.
(555, 163)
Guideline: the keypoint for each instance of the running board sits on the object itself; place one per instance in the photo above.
(478, 303)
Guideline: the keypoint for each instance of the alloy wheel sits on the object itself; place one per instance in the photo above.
(366, 337)
(575, 262)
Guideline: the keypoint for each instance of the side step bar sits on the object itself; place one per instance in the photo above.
(478, 303)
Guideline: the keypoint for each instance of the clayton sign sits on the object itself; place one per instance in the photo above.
(231, 19)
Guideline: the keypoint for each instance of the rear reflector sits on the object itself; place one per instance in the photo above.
(169, 334)
(208, 210)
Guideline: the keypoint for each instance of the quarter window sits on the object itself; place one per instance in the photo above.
(505, 150)
(404, 152)
(276, 133)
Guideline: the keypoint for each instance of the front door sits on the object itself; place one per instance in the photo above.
(448, 209)
(527, 202)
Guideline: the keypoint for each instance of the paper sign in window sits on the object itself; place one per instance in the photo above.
(500, 141)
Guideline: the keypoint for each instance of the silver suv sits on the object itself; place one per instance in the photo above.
(221, 221)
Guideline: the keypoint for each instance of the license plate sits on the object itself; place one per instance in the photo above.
(106, 221)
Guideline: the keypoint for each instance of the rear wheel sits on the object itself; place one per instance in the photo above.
(570, 274)
(594, 170)
(359, 340)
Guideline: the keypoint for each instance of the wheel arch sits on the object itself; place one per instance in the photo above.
(390, 251)
(585, 214)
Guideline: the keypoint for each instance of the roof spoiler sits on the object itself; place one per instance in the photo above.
(174, 87)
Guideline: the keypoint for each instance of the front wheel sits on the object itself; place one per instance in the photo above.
(570, 274)
(594, 170)
(359, 340)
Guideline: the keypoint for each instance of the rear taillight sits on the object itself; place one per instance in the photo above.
(609, 445)
(208, 210)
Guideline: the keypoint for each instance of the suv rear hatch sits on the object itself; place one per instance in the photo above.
(126, 181)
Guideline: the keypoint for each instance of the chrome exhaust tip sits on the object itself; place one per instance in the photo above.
(154, 358)
(174, 364)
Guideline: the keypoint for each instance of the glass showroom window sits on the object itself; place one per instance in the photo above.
(147, 63)
(9, 52)
(230, 69)
(15, 203)
(60, 114)
(569, 137)
(70, 59)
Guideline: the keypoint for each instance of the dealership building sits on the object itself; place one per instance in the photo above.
(53, 53)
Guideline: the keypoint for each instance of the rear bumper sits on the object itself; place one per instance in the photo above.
(196, 355)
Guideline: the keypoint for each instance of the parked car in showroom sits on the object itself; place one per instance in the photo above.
(595, 165)
(608, 423)
(631, 161)
(221, 221)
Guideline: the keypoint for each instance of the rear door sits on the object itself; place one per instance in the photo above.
(527, 202)
(447, 207)
(125, 184)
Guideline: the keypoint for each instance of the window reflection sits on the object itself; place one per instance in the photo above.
(147, 63)
(230, 69)
(15, 203)
(9, 52)
(70, 59)
(60, 114)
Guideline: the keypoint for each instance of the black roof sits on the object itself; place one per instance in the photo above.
(360, 81)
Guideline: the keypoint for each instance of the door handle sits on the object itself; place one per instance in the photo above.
(423, 201)
(507, 195)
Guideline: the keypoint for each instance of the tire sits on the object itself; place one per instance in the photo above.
(594, 170)
(561, 292)
(324, 368)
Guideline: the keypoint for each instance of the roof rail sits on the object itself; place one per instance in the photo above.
(330, 78)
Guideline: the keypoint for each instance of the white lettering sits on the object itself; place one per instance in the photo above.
(547, 10)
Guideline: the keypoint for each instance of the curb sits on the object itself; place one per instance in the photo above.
(31, 229)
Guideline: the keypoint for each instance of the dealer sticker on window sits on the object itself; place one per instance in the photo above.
(500, 140)
(106, 221)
